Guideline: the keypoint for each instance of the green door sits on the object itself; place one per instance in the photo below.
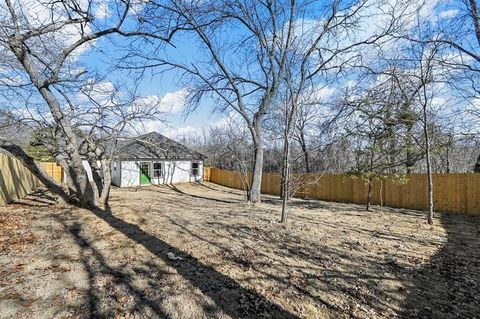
(144, 173)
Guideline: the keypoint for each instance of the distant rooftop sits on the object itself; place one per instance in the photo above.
(156, 146)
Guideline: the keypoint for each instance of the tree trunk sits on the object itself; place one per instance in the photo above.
(97, 173)
(476, 169)
(256, 131)
(475, 18)
(369, 194)
(370, 177)
(97, 185)
(448, 160)
(410, 160)
(79, 177)
(429, 166)
(285, 178)
(255, 193)
(306, 155)
(68, 177)
(62, 161)
(107, 182)
(289, 129)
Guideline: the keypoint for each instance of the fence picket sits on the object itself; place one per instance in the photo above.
(452, 192)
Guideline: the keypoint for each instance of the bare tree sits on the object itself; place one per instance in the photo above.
(317, 57)
(44, 53)
(458, 35)
(229, 147)
(243, 72)
(424, 74)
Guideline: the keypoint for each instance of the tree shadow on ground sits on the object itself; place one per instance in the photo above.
(446, 286)
(449, 285)
(179, 191)
(298, 203)
(38, 197)
(320, 271)
(123, 295)
(220, 189)
(119, 284)
(224, 291)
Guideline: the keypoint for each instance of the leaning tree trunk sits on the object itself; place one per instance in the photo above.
(84, 193)
(62, 161)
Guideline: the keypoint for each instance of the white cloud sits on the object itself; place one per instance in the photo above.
(173, 102)
(448, 13)
(101, 92)
(426, 9)
(144, 102)
(457, 57)
(230, 119)
(176, 133)
(317, 94)
(37, 13)
(152, 126)
(171, 132)
(324, 92)
(438, 101)
(102, 11)
(10, 80)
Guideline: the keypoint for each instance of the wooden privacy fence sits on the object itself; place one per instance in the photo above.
(16, 181)
(54, 170)
(452, 192)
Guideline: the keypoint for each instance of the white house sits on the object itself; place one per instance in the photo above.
(155, 159)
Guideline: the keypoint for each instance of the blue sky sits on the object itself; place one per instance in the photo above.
(167, 86)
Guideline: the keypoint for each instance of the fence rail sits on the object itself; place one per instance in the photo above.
(452, 192)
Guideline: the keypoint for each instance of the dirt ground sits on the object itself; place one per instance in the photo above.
(199, 251)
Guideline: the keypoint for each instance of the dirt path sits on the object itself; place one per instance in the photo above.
(198, 251)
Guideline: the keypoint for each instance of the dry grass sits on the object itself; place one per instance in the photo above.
(198, 251)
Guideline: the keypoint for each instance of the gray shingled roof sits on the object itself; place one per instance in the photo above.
(156, 146)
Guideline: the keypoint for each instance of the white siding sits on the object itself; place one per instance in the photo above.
(115, 172)
(179, 172)
(130, 174)
(176, 172)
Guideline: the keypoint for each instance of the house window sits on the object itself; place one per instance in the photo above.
(157, 170)
(195, 169)
(114, 166)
